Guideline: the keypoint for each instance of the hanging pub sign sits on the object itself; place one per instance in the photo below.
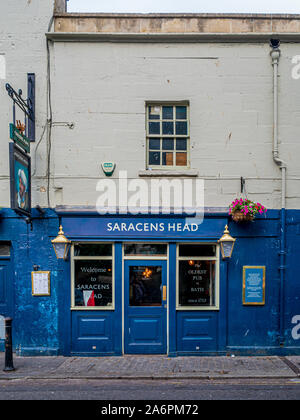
(20, 180)
(254, 285)
(19, 138)
(22, 135)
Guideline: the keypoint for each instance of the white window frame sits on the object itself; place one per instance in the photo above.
(216, 307)
(162, 136)
(146, 257)
(97, 258)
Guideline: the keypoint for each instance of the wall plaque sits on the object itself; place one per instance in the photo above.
(40, 283)
(254, 285)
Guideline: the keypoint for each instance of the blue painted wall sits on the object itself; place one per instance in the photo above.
(35, 320)
(42, 325)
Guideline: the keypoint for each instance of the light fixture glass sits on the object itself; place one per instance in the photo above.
(227, 244)
(61, 245)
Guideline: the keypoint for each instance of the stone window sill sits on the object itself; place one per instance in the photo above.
(159, 173)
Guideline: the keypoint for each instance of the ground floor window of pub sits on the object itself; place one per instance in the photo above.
(197, 276)
(92, 276)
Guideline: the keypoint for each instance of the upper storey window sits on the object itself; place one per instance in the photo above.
(168, 136)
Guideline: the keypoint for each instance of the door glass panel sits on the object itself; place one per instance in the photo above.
(145, 286)
(93, 283)
(146, 249)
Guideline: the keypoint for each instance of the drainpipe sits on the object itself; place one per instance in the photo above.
(275, 55)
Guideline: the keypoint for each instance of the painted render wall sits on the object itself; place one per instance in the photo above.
(23, 24)
(102, 89)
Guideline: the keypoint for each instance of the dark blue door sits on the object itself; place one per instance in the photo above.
(145, 324)
(6, 288)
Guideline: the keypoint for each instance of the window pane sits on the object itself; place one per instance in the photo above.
(197, 283)
(93, 250)
(167, 113)
(181, 127)
(145, 286)
(154, 128)
(197, 250)
(93, 283)
(181, 113)
(154, 144)
(168, 127)
(147, 249)
(154, 112)
(168, 144)
(181, 159)
(4, 250)
(181, 144)
(167, 159)
(154, 158)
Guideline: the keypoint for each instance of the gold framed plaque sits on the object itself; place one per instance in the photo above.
(40, 283)
(254, 285)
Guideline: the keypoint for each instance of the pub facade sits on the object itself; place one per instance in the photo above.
(193, 108)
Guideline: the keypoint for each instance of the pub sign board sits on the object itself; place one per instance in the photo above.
(20, 180)
(254, 285)
(19, 138)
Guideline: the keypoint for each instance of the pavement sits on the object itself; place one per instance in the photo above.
(152, 367)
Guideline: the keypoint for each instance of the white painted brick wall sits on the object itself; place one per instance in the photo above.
(23, 24)
(102, 88)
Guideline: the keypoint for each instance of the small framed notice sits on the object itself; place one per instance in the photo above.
(254, 285)
(40, 283)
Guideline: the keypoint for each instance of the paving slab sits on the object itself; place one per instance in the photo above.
(149, 367)
(294, 363)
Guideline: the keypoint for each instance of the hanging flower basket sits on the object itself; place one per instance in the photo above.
(244, 210)
(240, 217)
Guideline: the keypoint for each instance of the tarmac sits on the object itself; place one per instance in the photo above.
(152, 367)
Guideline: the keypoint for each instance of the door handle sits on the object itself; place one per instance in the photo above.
(164, 292)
